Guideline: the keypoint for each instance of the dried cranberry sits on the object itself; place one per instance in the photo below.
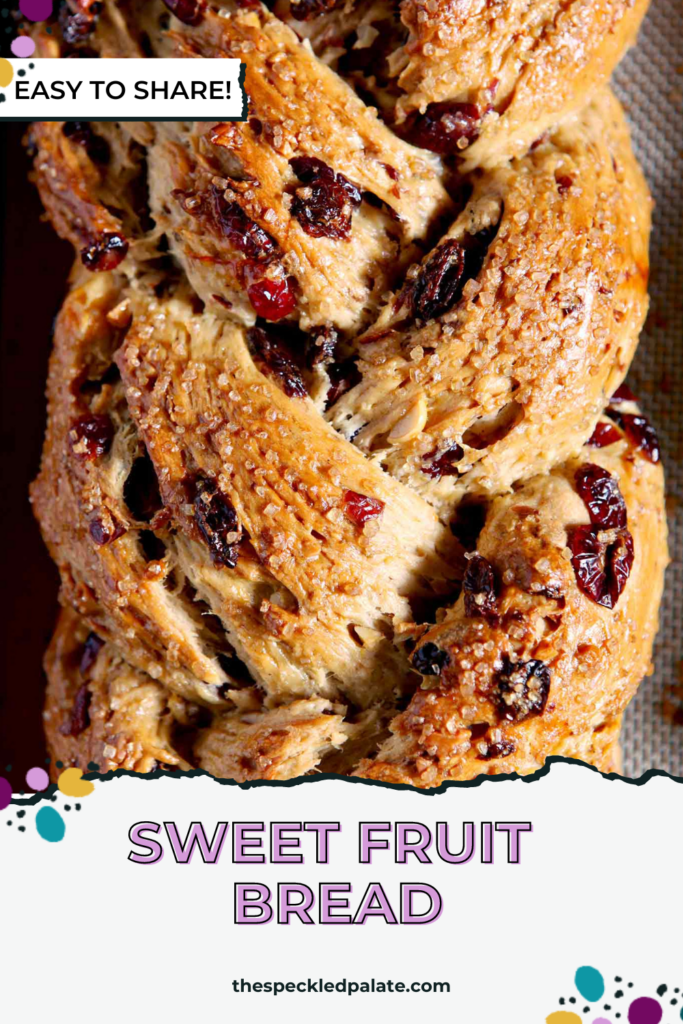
(81, 134)
(445, 463)
(503, 748)
(343, 376)
(75, 27)
(437, 287)
(217, 522)
(521, 689)
(430, 660)
(564, 183)
(91, 648)
(79, 718)
(325, 205)
(640, 433)
(106, 253)
(190, 12)
(90, 437)
(602, 564)
(273, 356)
(622, 394)
(272, 300)
(359, 508)
(601, 496)
(320, 346)
(302, 10)
(105, 528)
(604, 434)
(479, 588)
(243, 233)
(446, 128)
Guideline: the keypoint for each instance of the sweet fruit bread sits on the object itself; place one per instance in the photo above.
(340, 473)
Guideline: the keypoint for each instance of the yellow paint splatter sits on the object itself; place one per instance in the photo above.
(6, 72)
(563, 1017)
(71, 783)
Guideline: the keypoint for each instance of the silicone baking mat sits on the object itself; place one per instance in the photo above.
(649, 82)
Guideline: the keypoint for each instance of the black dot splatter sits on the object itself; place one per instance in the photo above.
(2, 97)
(607, 1006)
(21, 72)
(60, 764)
(53, 798)
(22, 828)
(9, 822)
(571, 999)
(561, 1000)
(21, 814)
(617, 979)
(661, 990)
(67, 807)
(31, 66)
(630, 984)
(618, 994)
(8, 768)
(78, 807)
(586, 1009)
(92, 767)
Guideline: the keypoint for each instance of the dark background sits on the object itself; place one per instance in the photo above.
(34, 265)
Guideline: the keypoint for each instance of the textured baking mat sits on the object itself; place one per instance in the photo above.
(650, 84)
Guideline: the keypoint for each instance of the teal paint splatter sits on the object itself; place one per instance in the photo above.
(50, 824)
(590, 983)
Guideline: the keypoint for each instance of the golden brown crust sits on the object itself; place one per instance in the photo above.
(517, 372)
(587, 660)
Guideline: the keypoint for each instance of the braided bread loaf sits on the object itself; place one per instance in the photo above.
(332, 473)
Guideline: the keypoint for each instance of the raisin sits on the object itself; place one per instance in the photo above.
(302, 10)
(343, 376)
(81, 134)
(430, 660)
(141, 490)
(217, 522)
(564, 183)
(503, 748)
(272, 300)
(190, 12)
(91, 648)
(446, 128)
(468, 523)
(320, 346)
(90, 437)
(105, 528)
(604, 434)
(243, 233)
(601, 496)
(521, 689)
(479, 587)
(622, 394)
(274, 358)
(359, 508)
(602, 564)
(437, 287)
(326, 203)
(106, 253)
(445, 463)
(640, 433)
(79, 718)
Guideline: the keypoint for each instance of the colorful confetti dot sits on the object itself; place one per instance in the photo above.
(23, 46)
(5, 793)
(71, 783)
(50, 824)
(6, 72)
(590, 983)
(645, 1011)
(36, 10)
(37, 778)
(601, 1020)
(563, 1017)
